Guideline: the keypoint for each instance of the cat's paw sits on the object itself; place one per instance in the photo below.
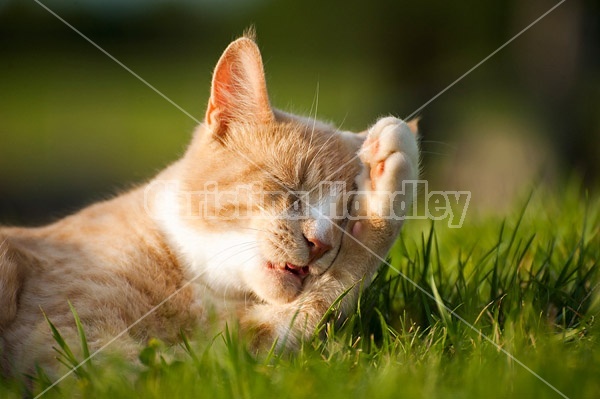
(268, 326)
(390, 156)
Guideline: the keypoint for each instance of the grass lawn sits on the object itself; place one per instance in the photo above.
(526, 284)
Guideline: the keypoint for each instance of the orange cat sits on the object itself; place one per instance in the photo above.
(240, 227)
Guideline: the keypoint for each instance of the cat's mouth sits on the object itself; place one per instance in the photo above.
(298, 271)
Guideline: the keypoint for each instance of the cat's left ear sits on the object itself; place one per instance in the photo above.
(239, 90)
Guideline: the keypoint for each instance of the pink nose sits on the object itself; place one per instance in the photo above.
(317, 248)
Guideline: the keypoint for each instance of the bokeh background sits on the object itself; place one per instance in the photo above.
(75, 127)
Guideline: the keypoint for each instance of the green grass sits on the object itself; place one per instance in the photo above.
(526, 283)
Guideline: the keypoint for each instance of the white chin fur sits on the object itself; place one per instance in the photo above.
(216, 259)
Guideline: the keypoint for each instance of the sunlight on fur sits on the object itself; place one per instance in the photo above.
(116, 260)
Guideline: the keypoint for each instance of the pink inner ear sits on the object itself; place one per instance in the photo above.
(239, 91)
(217, 101)
(220, 93)
(413, 125)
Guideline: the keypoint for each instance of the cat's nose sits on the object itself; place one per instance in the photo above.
(317, 248)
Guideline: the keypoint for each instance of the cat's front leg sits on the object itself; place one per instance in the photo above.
(390, 157)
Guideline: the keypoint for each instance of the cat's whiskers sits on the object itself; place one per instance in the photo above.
(440, 143)
(226, 250)
(339, 128)
(322, 147)
(453, 148)
(436, 153)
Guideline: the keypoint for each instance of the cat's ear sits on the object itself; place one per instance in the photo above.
(239, 90)
(413, 124)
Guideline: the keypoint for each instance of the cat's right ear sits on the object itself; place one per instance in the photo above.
(239, 91)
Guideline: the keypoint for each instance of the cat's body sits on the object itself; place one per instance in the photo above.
(165, 256)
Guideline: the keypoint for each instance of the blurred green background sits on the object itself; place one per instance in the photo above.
(75, 127)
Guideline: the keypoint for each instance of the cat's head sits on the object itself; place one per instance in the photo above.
(274, 222)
